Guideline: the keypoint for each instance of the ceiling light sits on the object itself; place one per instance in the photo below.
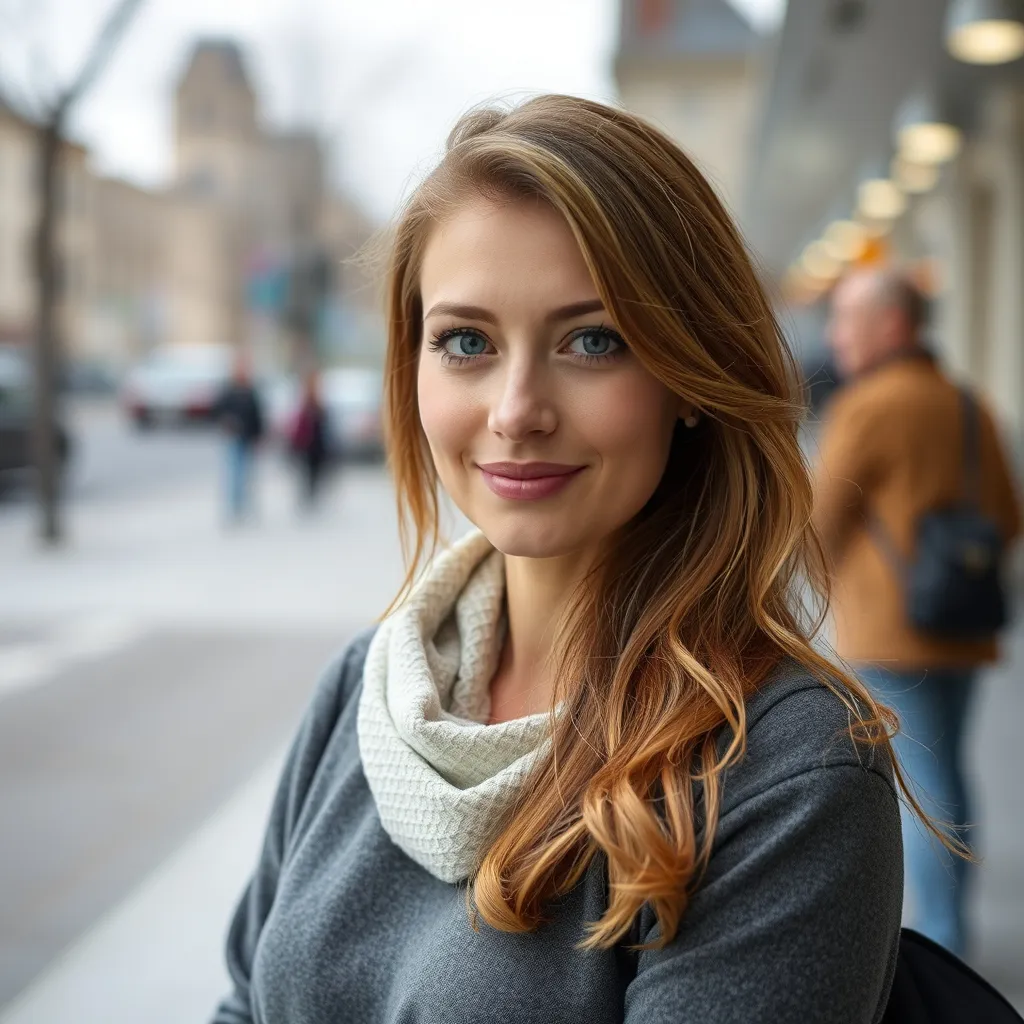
(880, 199)
(799, 289)
(985, 31)
(913, 177)
(875, 229)
(925, 132)
(845, 240)
(819, 263)
(930, 142)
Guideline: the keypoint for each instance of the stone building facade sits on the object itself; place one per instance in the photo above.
(691, 67)
(188, 264)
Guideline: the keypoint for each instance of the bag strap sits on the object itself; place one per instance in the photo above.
(885, 544)
(970, 487)
(972, 449)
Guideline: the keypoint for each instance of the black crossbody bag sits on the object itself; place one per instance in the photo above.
(953, 584)
(932, 986)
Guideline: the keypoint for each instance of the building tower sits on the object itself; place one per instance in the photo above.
(215, 124)
(688, 66)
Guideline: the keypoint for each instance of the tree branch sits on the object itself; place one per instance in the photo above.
(101, 50)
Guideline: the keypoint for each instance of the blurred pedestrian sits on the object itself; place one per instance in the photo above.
(239, 413)
(912, 474)
(308, 439)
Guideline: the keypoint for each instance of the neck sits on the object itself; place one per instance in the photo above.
(905, 350)
(538, 592)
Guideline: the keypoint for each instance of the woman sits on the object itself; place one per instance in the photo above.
(309, 439)
(589, 768)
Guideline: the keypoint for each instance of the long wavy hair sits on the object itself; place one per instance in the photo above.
(703, 592)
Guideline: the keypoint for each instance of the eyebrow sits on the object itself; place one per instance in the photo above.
(569, 312)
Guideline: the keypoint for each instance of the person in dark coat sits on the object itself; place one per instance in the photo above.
(309, 439)
(240, 415)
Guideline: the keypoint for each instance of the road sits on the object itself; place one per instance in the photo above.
(109, 459)
(153, 665)
(151, 673)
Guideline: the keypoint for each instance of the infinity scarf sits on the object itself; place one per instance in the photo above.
(441, 777)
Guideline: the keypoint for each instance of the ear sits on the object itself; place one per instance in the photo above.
(689, 414)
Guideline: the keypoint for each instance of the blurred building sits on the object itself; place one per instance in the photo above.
(693, 68)
(19, 207)
(245, 247)
(869, 120)
(128, 238)
(269, 215)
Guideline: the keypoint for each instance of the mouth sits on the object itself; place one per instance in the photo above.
(527, 481)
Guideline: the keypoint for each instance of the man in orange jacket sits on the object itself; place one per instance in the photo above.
(892, 449)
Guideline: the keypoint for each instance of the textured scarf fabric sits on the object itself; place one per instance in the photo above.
(441, 777)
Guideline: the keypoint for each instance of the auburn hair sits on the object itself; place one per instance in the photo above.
(703, 592)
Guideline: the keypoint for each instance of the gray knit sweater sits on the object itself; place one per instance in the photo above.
(796, 920)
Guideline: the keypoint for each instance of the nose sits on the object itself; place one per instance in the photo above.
(523, 406)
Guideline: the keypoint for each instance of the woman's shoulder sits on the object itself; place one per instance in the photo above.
(798, 726)
(341, 678)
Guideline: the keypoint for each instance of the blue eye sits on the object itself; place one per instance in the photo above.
(464, 343)
(457, 344)
(596, 343)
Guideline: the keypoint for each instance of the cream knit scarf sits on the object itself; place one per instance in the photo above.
(441, 777)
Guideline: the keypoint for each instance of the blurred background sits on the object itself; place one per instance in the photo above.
(182, 183)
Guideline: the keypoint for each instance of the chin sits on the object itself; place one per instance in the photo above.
(526, 534)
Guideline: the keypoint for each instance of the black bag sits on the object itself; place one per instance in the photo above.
(953, 583)
(932, 986)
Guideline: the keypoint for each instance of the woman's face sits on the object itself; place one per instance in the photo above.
(545, 429)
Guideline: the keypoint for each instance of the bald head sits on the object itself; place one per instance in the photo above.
(876, 314)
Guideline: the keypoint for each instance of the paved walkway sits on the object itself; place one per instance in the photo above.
(158, 957)
(145, 671)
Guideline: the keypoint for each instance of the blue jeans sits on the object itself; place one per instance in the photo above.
(933, 707)
(239, 462)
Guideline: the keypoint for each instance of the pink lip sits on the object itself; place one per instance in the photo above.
(527, 481)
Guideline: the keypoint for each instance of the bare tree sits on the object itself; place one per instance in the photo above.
(52, 126)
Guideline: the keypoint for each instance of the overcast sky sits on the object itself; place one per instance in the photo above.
(385, 78)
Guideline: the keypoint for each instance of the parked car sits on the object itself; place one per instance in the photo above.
(17, 412)
(82, 377)
(352, 397)
(176, 383)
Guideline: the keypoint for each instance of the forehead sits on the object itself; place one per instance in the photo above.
(493, 253)
(856, 292)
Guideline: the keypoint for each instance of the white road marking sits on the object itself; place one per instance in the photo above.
(158, 956)
(25, 665)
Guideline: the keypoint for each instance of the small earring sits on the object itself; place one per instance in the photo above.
(690, 421)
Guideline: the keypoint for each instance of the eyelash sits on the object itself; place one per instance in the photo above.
(437, 344)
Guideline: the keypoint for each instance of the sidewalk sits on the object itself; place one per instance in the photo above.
(159, 957)
(169, 557)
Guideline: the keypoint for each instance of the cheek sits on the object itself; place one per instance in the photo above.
(631, 422)
(449, 414)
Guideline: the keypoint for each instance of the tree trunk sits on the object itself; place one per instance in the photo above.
(48, 347)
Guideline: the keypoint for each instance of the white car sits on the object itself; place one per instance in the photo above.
(176, 383)
(352, 398)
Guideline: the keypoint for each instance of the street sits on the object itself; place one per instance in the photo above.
(151, 674)
(153, 665)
